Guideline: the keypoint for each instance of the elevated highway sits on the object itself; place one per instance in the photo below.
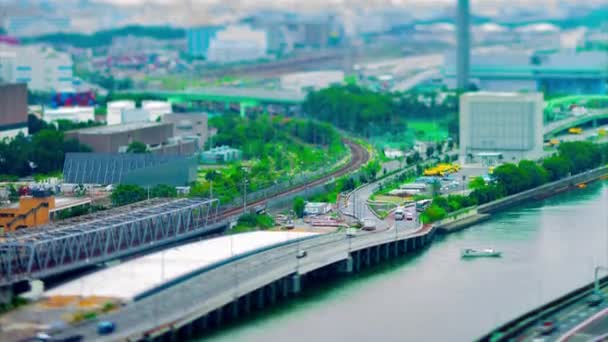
(235, 287)
(552, 129)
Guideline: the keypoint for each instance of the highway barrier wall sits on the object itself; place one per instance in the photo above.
(509, 330)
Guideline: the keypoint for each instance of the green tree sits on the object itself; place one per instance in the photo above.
(477, 183)
(534, 174)
(510, 176)
(557, 167)
(125, 194)
(433, 213)
(137, 147)
(163, 190)
(298, 206)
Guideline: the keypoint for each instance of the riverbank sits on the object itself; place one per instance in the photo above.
(459, 221)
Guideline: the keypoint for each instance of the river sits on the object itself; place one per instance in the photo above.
(549, 248)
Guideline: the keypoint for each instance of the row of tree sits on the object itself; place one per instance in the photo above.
(127, 193)
(42, 152)
(370, 113)
(509, 179)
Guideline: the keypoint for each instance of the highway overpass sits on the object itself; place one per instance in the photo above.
(235, 287)
(245, 97)
(552, 129)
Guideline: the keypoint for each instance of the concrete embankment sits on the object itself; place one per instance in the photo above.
(461, 220)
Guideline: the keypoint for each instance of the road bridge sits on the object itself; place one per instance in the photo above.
(594, 116)
(235, 287)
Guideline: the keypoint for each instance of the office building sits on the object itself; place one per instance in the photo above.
(13, 110)
(76, 114)
(41, 68)
(508, 126)
(198, 39)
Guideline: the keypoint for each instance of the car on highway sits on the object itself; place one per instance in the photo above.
(301, 254)
(595, 299)
(548, 327)
(409, 216)
(399, 214)
(106, 327)
(369, 223)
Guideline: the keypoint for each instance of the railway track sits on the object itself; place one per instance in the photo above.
(359, 156)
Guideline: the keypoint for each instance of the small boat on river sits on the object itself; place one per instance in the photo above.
(487, 252)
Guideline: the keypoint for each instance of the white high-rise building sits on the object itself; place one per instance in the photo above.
(507, 126)
(41, 68)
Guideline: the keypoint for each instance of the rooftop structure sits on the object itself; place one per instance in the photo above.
(189, 124)
(115, 108)
(133, 278)
(509, 123)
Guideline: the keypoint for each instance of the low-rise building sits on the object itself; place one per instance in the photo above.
(31, 211)
(221, 154)
(189, 125)
(316, 208)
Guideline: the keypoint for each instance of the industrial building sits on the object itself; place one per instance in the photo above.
(143, 169)
(42, 68)
(189, 125)
(115, 109)
(311, 80)
(31, 211)
(13, 110)
(77, 114)
(158, 136)
(507, 126)
(565, 72)
(156, 109)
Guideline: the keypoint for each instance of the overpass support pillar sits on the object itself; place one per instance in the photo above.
(247, 304)
(368, 256)
(284, 288)
(218, 313)
(387, 251)
(260, 298)
(377, 248)
(272, 292)
(404, 242)
(346, 266)
(234, 309)
(296, 283)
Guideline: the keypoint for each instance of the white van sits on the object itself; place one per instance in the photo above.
(399, 214)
